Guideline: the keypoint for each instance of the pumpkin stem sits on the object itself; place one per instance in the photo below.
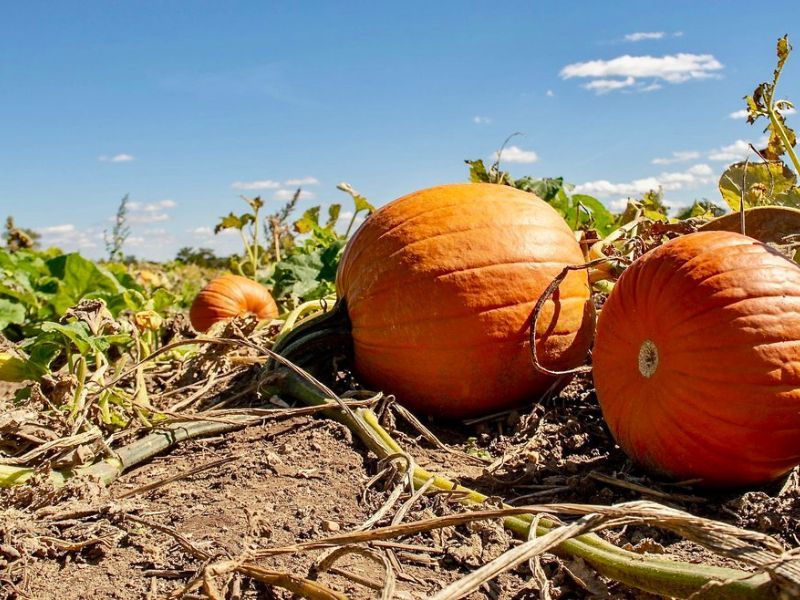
(648, 358)
(318, 339)
(537, 310)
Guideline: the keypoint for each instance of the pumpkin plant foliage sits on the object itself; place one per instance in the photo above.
(769, 182)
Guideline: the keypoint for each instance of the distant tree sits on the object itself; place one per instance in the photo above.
(203, 257)
(17, 238)
(119, 233)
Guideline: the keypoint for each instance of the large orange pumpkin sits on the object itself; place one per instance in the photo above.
(697, 360)
(231, 296)
(439, 287)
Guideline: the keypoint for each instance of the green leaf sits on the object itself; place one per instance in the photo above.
(362, 204)
(14, 369)
(232, 221)
(78, 333)
(701, 209)
(255, 203)
(297, 275)
(546, 188)
(79, 278)
(333, 214)
(599, 217)
(761, 184)
(309, 275)
(11, 312)
(308, 222)
(161, 300)
(477, 171)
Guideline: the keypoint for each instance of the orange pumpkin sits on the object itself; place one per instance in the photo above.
(439, 287)
(697, 360)
(231, 296)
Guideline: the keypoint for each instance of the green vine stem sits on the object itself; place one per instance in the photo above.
(655, 575)
(302, 310)
(776, 122)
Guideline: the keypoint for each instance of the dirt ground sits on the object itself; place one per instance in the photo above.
(305, 478)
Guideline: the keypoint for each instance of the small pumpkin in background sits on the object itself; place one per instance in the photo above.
(697, 360)
(436, 291)
(231, 296)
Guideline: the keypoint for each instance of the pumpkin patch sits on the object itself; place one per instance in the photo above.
(374, 400)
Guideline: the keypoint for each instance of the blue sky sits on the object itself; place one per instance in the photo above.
(186, 105)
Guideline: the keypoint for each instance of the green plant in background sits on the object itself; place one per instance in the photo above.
(309, 271)
(247, 224)
(119, 233)
(771, 182)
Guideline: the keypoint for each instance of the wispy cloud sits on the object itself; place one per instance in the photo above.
(260, 184)
(150, 212)
(479, 120)
(630, 70)
(680, 156)
(289, 194)
(515, 154)
(738, 150)
(604, 86)
(116, 158)
(68, 237)
(644, 35)
(700, 174)
(550, 93)
(302, 181)
(57, 229)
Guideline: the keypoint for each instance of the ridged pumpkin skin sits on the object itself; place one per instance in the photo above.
(231, 296)
(697, 360)
(440, 286)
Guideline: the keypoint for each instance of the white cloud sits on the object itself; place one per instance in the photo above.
(152, 206)
(550, 93)
(603, 86)
(149, 212)
(479, 120)
(57, 229)
(651, 87)
(700, 174)
(642, 35)
(515, 154)
(680, 156)
(208, 232)
(674, 68)
(738, 150)
(289, 194)
(147, 217)
(68, 237)
(302, 181)
(117, 158)
(261, 184)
